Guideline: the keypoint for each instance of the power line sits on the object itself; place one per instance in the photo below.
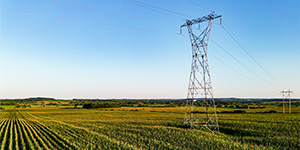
(258, 63)
(174, 12)
(249, 54)
(242, 64)
(153, 9)
(185, 37)
(103, 23)
(198, 5)
(114, 13)
(239, 72)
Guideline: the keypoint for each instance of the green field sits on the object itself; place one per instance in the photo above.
(8, 106)
(143, 128)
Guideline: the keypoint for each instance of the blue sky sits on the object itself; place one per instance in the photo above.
(42, 55)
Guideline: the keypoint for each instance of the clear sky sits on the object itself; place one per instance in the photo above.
(73, 57)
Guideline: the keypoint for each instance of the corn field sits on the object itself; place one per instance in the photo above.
(148, 128)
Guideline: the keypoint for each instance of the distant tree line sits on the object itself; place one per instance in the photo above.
(7, 103)
(100, 105)
(26, 100)
(240, 103)
(219, 102)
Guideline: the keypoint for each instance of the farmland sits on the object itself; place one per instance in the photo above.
(142, 128)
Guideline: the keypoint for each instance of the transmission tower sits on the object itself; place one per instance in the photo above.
(200, 106)
(285, 95)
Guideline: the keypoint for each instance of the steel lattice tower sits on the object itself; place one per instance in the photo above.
(286, 95)
(200, 106)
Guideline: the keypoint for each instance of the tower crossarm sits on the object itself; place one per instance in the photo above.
(199, 20)
(284, 92)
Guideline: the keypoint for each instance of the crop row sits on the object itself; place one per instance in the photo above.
(19, 130)
(16, 132)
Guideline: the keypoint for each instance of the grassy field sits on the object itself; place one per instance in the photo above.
(8, 106)
(143, 128)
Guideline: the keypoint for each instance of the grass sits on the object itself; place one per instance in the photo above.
(7, 106)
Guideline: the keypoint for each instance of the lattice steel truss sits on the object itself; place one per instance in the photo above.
(286, 95)
(200, 106)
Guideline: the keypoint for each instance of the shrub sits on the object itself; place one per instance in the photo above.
(271, 111)
(100, 105)
(239, 111)
(226, 111)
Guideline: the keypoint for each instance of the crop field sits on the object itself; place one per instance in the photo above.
(142, 128)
